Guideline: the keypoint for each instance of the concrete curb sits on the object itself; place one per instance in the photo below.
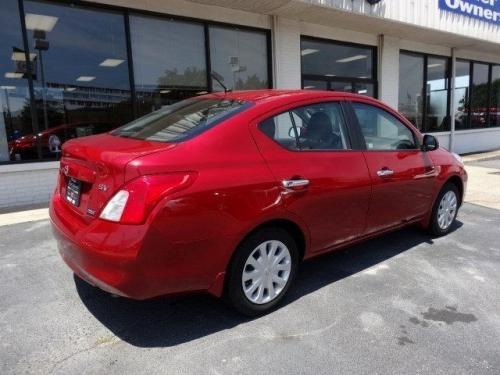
(483, 156)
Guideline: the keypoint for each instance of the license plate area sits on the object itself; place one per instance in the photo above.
(74, 191)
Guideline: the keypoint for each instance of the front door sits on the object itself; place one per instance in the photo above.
(403, 176)
(324, 181)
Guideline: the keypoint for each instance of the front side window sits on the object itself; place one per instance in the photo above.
(181, 120)
(314, 127)
(381, 130)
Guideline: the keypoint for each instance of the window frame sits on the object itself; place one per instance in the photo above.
(361, 138)
(425, 106)
(353, 80)
(351, 137)
(125, 13)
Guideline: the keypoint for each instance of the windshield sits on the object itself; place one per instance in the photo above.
(181, 120)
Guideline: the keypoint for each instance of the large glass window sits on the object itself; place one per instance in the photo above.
(424, 90)
(462, 83)
(479, 95)
(341, 66)
(95, 69)
(495, 96)
(239, 57)
(15, 120)
(411, 88)
(81, 75)
(169, 61)
(437, 91)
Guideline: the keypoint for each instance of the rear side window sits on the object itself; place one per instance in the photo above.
(381, 130)
(182, 120)
(314, 127)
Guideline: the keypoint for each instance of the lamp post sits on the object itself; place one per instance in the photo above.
(42, 45)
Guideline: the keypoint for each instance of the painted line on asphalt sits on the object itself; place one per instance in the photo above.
(24, 216)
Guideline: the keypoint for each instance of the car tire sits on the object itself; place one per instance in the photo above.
(444, 211)
(255, 285)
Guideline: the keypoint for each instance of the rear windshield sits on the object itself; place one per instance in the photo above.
(181, 120)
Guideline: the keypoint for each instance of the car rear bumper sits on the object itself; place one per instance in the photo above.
(94, 257)
(135, 261)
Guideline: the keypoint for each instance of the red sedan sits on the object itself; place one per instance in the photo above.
(227, 193)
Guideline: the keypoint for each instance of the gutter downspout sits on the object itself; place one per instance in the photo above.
(452, 99)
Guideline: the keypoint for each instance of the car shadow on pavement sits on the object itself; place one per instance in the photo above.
(171, 321)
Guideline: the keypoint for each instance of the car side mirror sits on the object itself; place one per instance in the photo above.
(430, 143)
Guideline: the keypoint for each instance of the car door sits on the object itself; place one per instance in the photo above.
(323, 179)
(402, 175)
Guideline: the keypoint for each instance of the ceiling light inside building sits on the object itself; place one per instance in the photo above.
(309, 87)
(111, 63)
(202, 92)
(308, 51)
(70, 89)
(330, 75)
(362, 91)
(434, 65)
(164, 91)
(85, 78)
(352, 58)
(8, 87)
(21, 56)
(40, 22)
(13, 75)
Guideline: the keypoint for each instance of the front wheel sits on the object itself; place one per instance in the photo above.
(262, 270)
(444, 211)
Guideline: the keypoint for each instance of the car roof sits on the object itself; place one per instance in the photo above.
(273, 94)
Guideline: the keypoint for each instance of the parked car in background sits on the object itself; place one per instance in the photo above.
(227, 193)
(25, 147)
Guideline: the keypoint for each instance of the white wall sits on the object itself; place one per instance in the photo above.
(26, 184)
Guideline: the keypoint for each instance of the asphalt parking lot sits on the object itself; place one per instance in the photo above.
(402, 303)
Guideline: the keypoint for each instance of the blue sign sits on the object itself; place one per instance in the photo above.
(484, 10)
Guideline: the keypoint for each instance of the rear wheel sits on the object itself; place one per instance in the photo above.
(262, 270)
(445, 210)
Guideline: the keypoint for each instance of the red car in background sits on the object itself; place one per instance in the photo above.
(52, 139)
(227, 193)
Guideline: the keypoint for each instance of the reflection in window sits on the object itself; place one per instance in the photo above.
(81, 74)
(495, 96)
(335, 59)
(315, 85)
(15, 121)
(437, 94)
(411, 88)
(341, 67)
(462, 81)
(240, 57)
(479, 95)
(169, 61)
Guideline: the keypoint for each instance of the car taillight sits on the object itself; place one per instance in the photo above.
(134, 201)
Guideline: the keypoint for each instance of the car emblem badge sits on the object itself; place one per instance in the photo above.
(65, 170)
(102, 187)
(90, 212)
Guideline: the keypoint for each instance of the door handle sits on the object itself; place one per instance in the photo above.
(295, 184)
(384, 172)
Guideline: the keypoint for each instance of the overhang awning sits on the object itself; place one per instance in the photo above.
(319, 12)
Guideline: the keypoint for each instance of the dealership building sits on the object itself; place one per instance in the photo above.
(75, 68)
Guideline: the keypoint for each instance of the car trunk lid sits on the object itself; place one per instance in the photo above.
(96, 165)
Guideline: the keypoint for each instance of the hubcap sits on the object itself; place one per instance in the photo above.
(266, 272)
(447, 210)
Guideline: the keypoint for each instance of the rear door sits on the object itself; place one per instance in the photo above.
(323, 179)
(402, 175)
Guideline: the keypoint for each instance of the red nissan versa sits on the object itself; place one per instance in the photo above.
(227, 193)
